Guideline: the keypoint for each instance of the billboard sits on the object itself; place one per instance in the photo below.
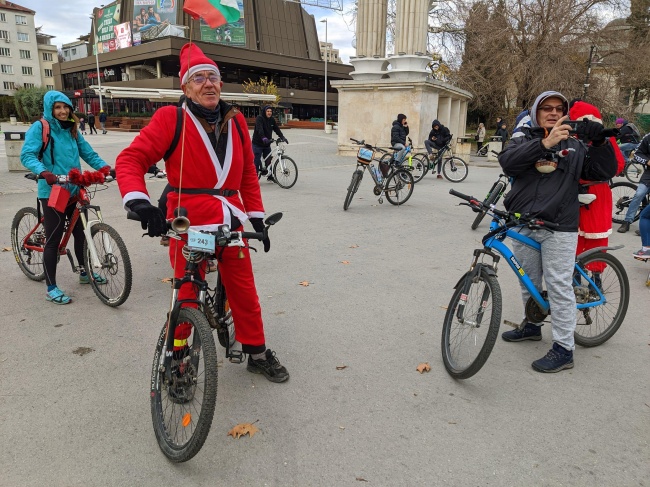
(123, 35)
(107, 19)
(155, 18)
(230, 34)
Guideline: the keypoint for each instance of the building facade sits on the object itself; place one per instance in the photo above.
(75, 50)
(47, 57)
(327, 51)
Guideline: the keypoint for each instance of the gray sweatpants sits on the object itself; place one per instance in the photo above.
(555, 263)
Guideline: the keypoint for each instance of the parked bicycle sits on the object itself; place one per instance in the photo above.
(473, 316)
(622, 194)
(184, 382)
(283, 169)
(453, 167)
(416, 163)
(494, 195)
(105, 254)
(395, 182)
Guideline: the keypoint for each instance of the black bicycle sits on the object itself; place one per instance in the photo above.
(494, 195)
(622, 194)
(453, 167)
(184, 372)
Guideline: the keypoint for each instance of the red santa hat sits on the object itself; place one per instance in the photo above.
(580, 110)
(193, 60)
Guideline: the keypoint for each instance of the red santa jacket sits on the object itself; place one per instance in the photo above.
(200, 168)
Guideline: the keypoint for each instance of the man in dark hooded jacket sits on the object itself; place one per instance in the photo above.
(265, 125)
(546, 186)
(438, 139)
(399, 131)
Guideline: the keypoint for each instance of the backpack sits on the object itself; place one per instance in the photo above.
(634, 128)
(46, 139)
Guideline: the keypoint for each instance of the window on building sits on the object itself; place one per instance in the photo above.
(3, 18)
(66, 53)
(47, 56)
(27, 70)
(21, 19)
(6, 69)
(74, 51)
(4, 34)
(48, 73)
(22, 37)
(49, 87)
(29, 85)
(24, 54)
(5, 51)
(9, 85)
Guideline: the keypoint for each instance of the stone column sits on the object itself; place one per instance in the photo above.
(410, 60)
(370, 61)
(454, 122)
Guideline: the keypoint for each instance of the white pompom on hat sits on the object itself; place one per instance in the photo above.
(581, 110)
(193, 60)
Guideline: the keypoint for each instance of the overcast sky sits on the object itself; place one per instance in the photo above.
(68, 19)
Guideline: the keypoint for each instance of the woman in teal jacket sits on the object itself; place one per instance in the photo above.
(61, 155)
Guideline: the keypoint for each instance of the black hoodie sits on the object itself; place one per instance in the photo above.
(264, 128)
(442, 135)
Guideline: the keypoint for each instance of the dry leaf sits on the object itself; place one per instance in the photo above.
(345, 262)
(341, 367)
(6, 249)
(354, 246)
(360, 479)
(452, 422)
(243, 429)
(304, 283)
(423, 367)
(167, 279)
(444, 307)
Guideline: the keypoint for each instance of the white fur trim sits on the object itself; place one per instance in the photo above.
(595, 235)
(593, 118)
(197, 68)
(134, 195)
(255, 214)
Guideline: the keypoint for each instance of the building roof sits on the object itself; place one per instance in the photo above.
(13, 6)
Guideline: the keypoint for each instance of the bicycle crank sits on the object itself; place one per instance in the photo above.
(534, 313)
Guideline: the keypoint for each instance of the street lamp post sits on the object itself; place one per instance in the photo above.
(99, 82)
(326, 56)
(586, 85)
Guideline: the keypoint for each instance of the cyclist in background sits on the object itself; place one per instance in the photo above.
(265, 125)
(641, 155)
(439, 137)
(398, 132)
(626, 137)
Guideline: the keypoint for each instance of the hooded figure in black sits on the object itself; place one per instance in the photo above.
(265, 125)
(438, 138)
(398, 133)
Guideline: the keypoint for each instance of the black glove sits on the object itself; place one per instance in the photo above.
(259, 227)
(49, 177)
(588, 130)
(151, 217)
(284, 139)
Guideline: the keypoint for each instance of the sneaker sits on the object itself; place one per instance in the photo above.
(84, 279)
(264, 171)
(432, 157)
(270, 178)
(625, 226)
(57, 296)
(439, 176)
(161, 174)
(529, 332)
(164, 241)
(637, 233)
(558, 358)
(271, 367)
(642, 254)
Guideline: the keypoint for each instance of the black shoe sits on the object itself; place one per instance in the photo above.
(625, 226)
(637, 233)
(558, 358)
(271, 367)
(264, 171)
(270, 178)
(529, 332)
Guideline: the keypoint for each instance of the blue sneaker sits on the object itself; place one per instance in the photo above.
(558, 358)
(57, 296)
(529, 332)
(84, 279)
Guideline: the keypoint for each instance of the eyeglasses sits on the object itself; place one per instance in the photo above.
(199, 79)
(549, 109)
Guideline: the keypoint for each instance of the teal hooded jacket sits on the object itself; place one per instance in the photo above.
(65, 151)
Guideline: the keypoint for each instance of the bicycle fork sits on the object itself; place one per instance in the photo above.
(473, 277)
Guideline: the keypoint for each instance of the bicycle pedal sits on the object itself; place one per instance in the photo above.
(236, 356)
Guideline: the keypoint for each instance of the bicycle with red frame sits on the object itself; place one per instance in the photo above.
(106, 259)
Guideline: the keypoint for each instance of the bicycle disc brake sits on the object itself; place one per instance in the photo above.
(534, 313)
(377, 190)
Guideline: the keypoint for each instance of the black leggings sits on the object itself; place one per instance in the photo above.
(54, 223)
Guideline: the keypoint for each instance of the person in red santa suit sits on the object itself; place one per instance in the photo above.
(214, 163)
(596, 217)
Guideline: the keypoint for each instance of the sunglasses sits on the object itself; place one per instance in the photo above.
(549, 109)
(199, 79)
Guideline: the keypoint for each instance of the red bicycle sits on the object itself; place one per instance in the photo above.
(105, 253)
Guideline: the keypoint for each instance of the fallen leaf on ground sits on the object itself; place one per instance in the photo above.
(304, 283)
(354, 246)
(167, 279)
(6, 249)
(452, 422)
(360, 479)
(243, 429)
(341, 367)
(81, 351)
(423, 367)
(444, 307)
(345, 262)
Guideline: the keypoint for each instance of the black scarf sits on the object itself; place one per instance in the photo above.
(210, 116)
(66, 124)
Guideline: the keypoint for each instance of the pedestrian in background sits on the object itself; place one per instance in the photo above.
(91, 123)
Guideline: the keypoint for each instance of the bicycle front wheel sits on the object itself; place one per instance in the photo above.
(633, 172)
(182, 404)
(598, 324)
(399, 187)
(354, 185)
(455, 169)
(471, 325)
(419, 167)
(27, 243)
(285, 172)
(491, 200)
(112, 281)
(622, 194)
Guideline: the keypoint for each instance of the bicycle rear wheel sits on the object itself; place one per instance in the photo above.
(30, 260)
(285, 174)
(115, 275)
(418, 167)
(633, 172)
(399, 187)
(598, 324)
(622, 194)
(182, 407)
(454, 169)
(354, 185)
(471, 325)
(490, 200)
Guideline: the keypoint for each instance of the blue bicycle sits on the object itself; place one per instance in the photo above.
(472, 320)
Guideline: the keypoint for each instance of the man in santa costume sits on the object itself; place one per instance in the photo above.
(213, 162)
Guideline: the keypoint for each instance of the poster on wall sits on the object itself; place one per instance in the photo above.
(233, 34)
(123, 35)
(155, 18)
(107, 18)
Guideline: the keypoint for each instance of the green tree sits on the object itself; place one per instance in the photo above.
(263, 87)
(29, 102)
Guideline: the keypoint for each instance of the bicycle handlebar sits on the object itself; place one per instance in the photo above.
(64, 178)
(368, 146)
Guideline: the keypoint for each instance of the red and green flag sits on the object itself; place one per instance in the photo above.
(214, 12)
